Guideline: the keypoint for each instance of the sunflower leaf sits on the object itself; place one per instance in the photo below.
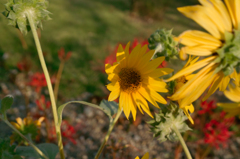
(109, 107)
(6, 104)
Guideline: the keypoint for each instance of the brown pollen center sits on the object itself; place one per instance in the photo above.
(130, 79)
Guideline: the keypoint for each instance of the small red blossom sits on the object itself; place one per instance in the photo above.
(38, 80)
(63, 56)
(216, 134)
(68, 131)
(207, 107)
(42, 103)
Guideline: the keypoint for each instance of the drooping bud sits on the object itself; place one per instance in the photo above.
(17, 10)
(163, 122)
(163, 43)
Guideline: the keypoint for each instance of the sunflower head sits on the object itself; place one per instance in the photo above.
(162, 125)
(16, 11)
(134, 78)
(26, 126)
(163, 43)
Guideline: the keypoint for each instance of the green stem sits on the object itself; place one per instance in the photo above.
(182, 142)
(49, 84)
(112, 123)
(30, 143)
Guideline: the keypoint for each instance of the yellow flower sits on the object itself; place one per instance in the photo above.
(146, 156)
(26, 126)
(219, 47)
(232, 109)
(181, 81)
(135, 78)
(20, 124)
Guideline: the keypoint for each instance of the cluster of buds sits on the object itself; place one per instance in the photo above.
(18, 10)
(164, 122)
(162, 41)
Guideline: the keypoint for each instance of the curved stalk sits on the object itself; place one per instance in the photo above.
(49, 84)
(182, 142)
(112, 123)
(30, 143)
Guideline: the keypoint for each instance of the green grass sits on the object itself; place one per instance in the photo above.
(89, 29)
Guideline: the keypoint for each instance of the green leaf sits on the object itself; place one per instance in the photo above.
(6, 103)
(110, 108)
(60, 109)
(50, 150)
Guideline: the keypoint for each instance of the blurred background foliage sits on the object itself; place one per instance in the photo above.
(90, 29)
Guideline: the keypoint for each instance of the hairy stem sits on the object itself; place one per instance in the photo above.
(112, 123)
(49, 84)
(185, 148)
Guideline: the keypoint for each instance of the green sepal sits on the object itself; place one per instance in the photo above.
(228, 36)
(17, 11)
(163, 43)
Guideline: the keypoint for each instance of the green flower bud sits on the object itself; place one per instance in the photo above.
(17, 10)
(162, 125)
(163, 43)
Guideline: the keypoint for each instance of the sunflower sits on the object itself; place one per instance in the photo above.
(135, 80)
(26, 126)
(146, 156)
(232, 109)
(181, 81)
(220, 47)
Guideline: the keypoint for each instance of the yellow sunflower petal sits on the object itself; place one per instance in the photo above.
(216, 12)
(214, 86)
(146, 94)
(199, 89)
(199, 15)
(152, 65)
(197, 50)
(195, 37)
(133, 107)
(126, 105)
(19, 121)
(156, 84)
(192, 68)
(120, 53)
(160, 72)
(143, 103)
(17, 126)
(114, 94)
(133, 57)
(144, 60)
(224, 83)
(186, 110)
(157, 97)
(136, 103)
(146, 156)
(232, 95)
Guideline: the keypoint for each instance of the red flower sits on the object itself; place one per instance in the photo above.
(38, 80)
(207, 107)
(216, 134)
(67, 130)
(42, 104)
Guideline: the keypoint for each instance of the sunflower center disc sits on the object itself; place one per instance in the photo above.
(130, 79)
